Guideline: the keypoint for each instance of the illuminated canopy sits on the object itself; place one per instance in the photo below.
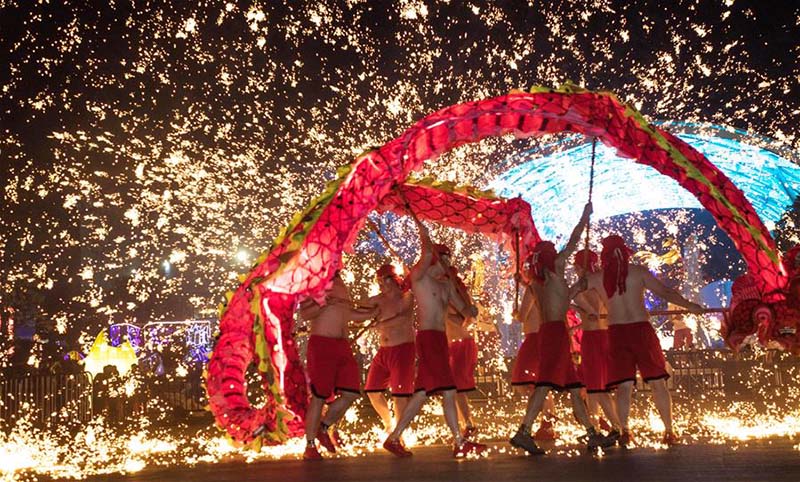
(554, 181)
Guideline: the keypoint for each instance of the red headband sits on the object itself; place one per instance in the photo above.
(543, 259)
(614, 259)
(789, 261)
(589, 264)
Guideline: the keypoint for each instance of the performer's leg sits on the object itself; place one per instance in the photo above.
(339, 406)
(378, 402)
(593, 409)
(609, 409)
(464, 410)
(624, 392)
(535, 404)
(313, 415)
(663, 401)
(400, 404)
(549, 407)
(579, 408)
(451, 414)
(414, 405)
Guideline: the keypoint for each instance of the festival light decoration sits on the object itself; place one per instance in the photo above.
(101, 354)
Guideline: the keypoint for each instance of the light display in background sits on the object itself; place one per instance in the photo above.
(554, 180)
(103, 353)
(193, 336)
(121, 332)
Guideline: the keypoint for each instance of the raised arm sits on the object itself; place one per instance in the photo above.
(426, 245)
(660, 289)
(575, 237)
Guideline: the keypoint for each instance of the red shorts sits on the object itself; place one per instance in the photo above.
(632, 346)
(594, 360)
(556, 369)
(392, 367)
(331, 366)
(433, 372)
(527, 363)
(463, 360)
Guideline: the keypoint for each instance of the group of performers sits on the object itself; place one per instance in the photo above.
(440, 357)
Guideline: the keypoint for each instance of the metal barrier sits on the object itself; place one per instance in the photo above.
(184, 397)
(46, 398)
(692, 373)
(700, 372)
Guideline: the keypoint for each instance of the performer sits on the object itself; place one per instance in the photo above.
(526, 365)
(632, 339)
(556, 369)
(393, 365)
(682, 333)
(462, 347)
(434, 291)
(330, 363)
(595, 356)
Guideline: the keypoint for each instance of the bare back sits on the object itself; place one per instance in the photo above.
(530, 312)
(332, 319)
(594, 315)
(553, 293)
(628, 307)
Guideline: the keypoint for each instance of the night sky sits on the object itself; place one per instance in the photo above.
(136, 133)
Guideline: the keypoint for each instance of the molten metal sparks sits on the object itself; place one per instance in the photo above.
(147, 154)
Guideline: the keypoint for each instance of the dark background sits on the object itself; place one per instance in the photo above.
(216, 135)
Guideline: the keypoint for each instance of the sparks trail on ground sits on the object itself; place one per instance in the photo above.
(143, 147)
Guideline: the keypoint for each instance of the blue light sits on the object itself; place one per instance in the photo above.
(556, 184)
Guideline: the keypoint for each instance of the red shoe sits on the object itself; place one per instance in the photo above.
(470, 432)
(670, 439)
(626, 440)
(326, 441)
(312, 453)
(604, 426)
(545, 431)
(467, 448)
(396, 448)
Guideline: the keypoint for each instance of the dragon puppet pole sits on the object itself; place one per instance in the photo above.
(591, 188)
(377, 231)
(516, 278)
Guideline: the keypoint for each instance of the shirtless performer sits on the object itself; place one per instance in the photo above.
(556, 370)
(632, 339)
(526, 365)
(434, 291)
(393, 365)
(330, 363)
(595, 356)
(462, 347)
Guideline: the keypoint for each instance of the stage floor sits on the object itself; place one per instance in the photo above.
(776, 459)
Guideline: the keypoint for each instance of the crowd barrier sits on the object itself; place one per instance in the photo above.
(46, 398)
